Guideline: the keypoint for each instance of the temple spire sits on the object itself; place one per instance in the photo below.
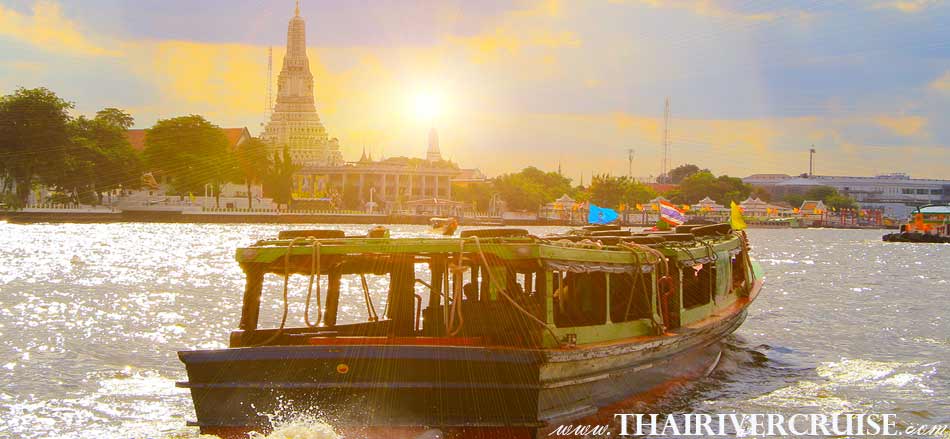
(433, 154)
(297, 9)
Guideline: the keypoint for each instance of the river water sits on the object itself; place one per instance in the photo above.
(91, 317)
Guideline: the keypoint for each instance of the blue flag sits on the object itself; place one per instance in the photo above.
(601, 215)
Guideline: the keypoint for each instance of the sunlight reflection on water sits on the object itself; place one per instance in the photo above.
(91, 317)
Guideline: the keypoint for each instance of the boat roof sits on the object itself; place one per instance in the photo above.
(555, 254)
(935, 208)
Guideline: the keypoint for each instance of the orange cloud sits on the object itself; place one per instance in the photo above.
(519, 30)
(905, 125)
(47, 29)
(942, 84)
(907, 6)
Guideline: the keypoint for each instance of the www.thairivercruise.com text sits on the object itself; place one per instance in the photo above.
(753, 425)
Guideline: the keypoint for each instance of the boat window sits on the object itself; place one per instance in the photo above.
(698, 284)
(581, 300)
(629, 298)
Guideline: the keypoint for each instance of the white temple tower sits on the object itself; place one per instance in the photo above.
(433, 154)
(295, 123)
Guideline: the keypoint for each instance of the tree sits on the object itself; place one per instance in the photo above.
(115, 117)
(724, 189)
(194, 152)
(278, 181)
(682, 171)
(530, 188)
(478, 193)
(34, 135)
(820, 193)
(829, 195)
(609, 191)
(253, 162)
(98, 158)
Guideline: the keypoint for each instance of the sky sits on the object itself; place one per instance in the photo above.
(752, 84)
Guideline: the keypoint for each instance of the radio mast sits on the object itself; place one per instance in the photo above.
(630, 163)
(665, 163)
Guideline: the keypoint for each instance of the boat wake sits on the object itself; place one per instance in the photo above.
(301, 428)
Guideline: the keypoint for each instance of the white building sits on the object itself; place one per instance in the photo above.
(896, 193)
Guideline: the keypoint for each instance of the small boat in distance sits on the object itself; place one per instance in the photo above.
(930, 223)
(495, 334)
(445, 226)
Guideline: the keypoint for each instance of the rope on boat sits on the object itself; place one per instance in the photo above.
(314, 270)
(491, 279)
(663, 266)
(283, 318)
(370, 308)
(746, 261)
(456, 309)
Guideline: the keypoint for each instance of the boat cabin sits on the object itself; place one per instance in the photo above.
(494, 287)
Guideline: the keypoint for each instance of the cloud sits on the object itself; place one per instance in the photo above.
(519, 30)
(906, 126)
(907, 6)
(47, 29)
(942, 84)
(709, 8)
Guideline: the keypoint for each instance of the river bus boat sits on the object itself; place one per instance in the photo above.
(444, 226)
(930, 223)
(495, 334)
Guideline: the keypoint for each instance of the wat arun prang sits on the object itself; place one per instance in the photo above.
(295, 123)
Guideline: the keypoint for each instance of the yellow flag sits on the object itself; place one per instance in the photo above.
(639, 206)
(191, 197)
(736, 217)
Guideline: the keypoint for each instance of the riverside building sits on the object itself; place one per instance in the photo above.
(896, 193)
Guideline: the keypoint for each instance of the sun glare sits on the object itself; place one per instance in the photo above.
(428, 106)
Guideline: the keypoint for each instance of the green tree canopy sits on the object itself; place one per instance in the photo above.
(253, 162)
(34, 136)
(98, 159)
(278, 181)
(610, 191)
(724, 189)
(530, 188)
(115, 117)
(680, 172)
(478, 193)
(193, 151)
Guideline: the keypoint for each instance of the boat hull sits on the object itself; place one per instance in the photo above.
(507, 392)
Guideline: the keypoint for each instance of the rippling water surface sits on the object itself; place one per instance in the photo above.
(91, 317)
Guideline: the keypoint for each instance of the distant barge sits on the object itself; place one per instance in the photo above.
(494, 334)
(930, 224)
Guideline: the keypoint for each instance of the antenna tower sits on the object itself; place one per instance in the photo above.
(630, 163)
(665, 164)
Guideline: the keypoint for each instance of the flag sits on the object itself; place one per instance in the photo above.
(671, 215)
(191, 197)
(686, 208)
(735, 217)
(797, 210)
(640, 207)
(655, 206)
(601, 215)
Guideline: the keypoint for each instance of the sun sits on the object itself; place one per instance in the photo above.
(428, 106)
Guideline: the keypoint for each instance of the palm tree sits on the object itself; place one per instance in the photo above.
(254, 164)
